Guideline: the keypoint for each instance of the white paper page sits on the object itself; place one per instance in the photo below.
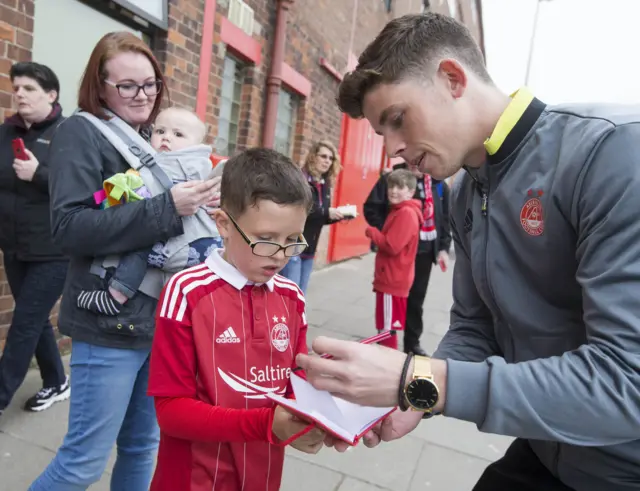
(356, 417)
(320, 418)
(311, 399)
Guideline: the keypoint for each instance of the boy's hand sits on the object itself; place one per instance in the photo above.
(368, 231)
(285, 425)
(443, 260)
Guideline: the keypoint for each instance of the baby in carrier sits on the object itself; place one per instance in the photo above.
(177, 136)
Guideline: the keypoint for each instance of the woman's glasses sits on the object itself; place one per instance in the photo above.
(129, 90)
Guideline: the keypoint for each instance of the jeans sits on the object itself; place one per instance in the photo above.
(36, 286)
(130, 272)
(298, 270)
(109, 405)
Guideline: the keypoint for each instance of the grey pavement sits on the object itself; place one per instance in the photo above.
(442, 453)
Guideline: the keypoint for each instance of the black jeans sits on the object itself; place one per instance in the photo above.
(417, 294)
(521, 470)
(36, 286)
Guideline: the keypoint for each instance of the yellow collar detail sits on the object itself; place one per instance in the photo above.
(520, 101)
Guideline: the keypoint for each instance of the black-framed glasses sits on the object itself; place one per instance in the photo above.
(265, 248)
(129, 90)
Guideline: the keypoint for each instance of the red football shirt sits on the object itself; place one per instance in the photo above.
(221, 344)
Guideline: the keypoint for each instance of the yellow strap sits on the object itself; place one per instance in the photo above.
(520, 101)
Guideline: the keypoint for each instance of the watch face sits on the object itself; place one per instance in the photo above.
(422, 394)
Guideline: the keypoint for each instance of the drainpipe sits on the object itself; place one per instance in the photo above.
(481, 22)
(274, 81)
(205, 57)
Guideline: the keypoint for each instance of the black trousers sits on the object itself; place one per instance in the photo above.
(519, 470)
(413, 325)
(36, 286)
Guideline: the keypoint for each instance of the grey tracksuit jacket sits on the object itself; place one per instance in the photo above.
(544, 341)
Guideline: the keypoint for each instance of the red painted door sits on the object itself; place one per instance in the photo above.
(362, 157)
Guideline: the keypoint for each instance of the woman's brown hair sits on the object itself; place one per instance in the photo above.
(94, 74)
(310, 162)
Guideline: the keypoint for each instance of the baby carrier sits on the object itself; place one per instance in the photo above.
(159, 172)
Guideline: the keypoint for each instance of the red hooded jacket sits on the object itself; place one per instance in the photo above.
(397, 246)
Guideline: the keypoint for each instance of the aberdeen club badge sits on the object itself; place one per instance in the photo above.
(280, 334)
(531, 214)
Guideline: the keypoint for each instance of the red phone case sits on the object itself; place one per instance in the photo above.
(19, 150)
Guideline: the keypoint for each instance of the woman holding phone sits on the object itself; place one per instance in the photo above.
(34, 266)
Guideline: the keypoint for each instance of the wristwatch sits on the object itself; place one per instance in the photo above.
(421, 393)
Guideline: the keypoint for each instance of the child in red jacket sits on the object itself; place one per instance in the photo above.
(397, 244)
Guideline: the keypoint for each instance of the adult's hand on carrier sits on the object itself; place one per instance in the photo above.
(191, 195)
(214, 204)
(368, 375)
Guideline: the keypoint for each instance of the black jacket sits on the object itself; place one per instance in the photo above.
(80, 160)
(25, 223)
(319, 215)
(376, 209)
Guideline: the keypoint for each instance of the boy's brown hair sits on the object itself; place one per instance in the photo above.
(401, 178)
(262, 174)
(409, 46)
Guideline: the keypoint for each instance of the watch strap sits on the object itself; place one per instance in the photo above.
(402, 400)
(422, 367)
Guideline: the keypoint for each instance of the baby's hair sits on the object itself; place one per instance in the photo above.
(198, 123)
(262, 174)
(401, 178)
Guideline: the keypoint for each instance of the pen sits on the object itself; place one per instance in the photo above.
(384, 335)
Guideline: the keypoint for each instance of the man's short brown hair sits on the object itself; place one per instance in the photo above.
(401, 178)
(262, 174)
(410, 45)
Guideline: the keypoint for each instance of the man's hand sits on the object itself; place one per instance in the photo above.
(365, 374)
(25, 169)
(443, 260)
(393, 427)
(285, 425)
(369, 231)
(191, 195)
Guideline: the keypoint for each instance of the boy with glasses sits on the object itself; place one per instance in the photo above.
(228, 332)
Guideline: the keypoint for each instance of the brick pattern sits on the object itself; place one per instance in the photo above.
(315, 29)
(16, 41)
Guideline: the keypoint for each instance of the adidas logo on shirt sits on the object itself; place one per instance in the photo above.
(228, 336)
(397, 324)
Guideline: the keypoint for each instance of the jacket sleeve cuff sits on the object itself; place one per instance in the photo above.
(467, 391)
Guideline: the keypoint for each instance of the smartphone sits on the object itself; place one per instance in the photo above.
(217, 170)
(19, 150)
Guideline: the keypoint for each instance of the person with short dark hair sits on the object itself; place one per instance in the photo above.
(35, 267)
(228, 332)
(396, 246)
(544, 336)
